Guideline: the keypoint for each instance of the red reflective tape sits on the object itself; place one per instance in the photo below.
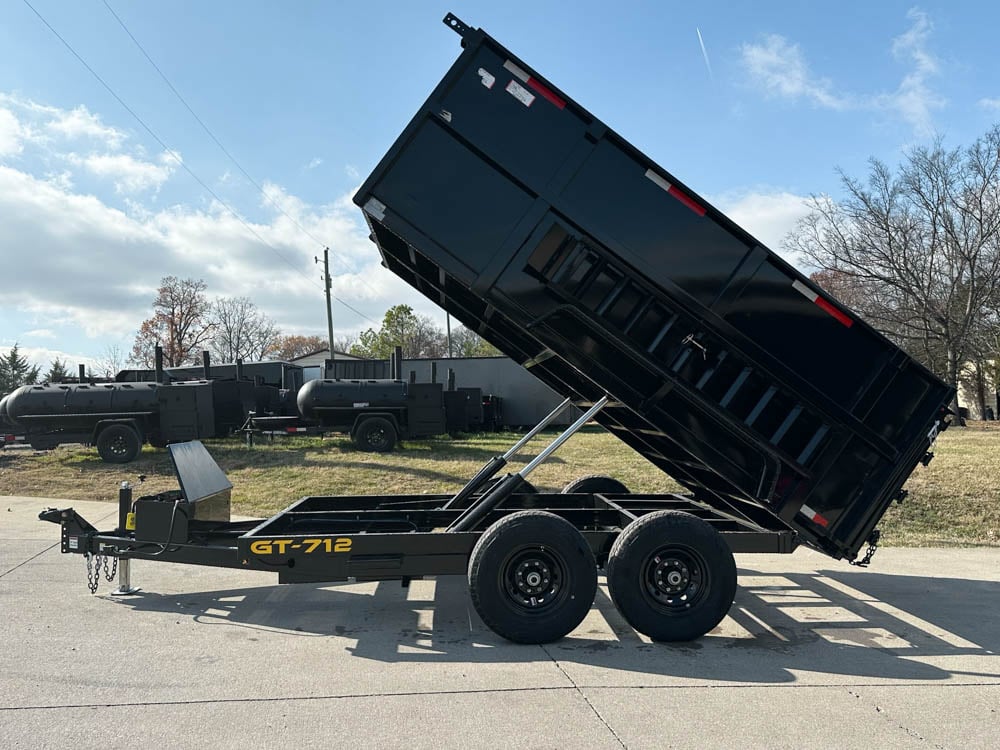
(837, 314)
(546, 93)
(8, 438)
(823, 304)
(813, 516)
(687, 200)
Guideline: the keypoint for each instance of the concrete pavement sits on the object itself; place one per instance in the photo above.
(814, 654)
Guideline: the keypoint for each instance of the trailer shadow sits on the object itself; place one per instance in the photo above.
(844, 625)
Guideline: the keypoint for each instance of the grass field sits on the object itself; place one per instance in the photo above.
(954, 501)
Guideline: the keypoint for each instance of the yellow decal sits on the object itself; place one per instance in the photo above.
(308, 546)
(130, 522)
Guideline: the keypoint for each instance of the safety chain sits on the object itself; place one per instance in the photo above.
(93, 576)
(94, 565)
(112, 570)
(870, 552)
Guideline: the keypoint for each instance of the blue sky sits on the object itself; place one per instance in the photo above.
(308, 96)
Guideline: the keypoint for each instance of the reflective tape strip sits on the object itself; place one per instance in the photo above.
(540, 88)
(822, 303)
(814, 516)
(676, 192)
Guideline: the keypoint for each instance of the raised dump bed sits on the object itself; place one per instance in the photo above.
(528, 219)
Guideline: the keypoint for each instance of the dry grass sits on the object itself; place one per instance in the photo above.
(955, 501)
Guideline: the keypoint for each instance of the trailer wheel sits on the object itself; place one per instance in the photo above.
(532, 577)
(595, 483)
(672, 576)
(118, 444)
(375, 434)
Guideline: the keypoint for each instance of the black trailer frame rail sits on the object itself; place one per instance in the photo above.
(364, 537)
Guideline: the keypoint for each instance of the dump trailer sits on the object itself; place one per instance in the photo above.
(787, 418)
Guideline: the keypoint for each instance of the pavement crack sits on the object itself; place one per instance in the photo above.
(584, 696)
(25, 562)
(881, 712)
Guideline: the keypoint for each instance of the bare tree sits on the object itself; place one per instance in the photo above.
(240, 330)
(111, 362)
(180, 323)
(919, 250)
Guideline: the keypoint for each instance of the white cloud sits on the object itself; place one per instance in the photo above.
(40, 333)
(80, 123)
(993, 105)
(43, 357)
(47, 122)
(351, 171)
(778, 67)
(101, 265)
(313, 163)
(11, 134)
(129, 174)
(768, 215)
(915, 100)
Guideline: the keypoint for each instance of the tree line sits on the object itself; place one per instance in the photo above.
(185, 321)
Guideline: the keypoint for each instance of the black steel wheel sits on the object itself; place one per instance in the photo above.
(595, 483)
(118, 444)
(672, 576)
(375, 434)
(532, 577)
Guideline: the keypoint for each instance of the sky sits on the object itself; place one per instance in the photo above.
(106, 189)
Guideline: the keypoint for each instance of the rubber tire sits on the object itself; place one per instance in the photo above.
(118, 444)
(625, 575)
(595, 483)
(524, 530)
(375, 435)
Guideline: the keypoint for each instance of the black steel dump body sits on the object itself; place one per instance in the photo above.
(528, 219)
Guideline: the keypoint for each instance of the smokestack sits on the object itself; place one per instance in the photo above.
(206, 365)
(82, 373)
(239, 369)
(158, 354)
(413, 376)
(399, 363)
(434, 372)
(451, 379)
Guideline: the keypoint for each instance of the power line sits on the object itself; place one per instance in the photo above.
(176, 157)
(215, 139)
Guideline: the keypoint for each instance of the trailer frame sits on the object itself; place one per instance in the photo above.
(352, 538)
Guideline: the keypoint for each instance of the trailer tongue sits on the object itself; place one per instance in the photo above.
(788, 419)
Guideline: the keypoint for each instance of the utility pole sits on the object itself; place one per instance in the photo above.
(329, 306)
(447, 319)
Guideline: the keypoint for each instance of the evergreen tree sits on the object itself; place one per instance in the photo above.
(57, 371)
(16, 371)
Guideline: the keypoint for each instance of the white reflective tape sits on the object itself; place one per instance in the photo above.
(375, 208)
(804, 290)
(518, 72)
(808, 512)
(656, 179)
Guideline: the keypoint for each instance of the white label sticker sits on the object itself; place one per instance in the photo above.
(74, 542)
(520, 93)
(360, 404)
(487, 78)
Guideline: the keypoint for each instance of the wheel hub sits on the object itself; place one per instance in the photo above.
(674, 578)
(534, 579)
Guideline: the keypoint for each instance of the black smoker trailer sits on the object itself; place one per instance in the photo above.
(788, 419)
